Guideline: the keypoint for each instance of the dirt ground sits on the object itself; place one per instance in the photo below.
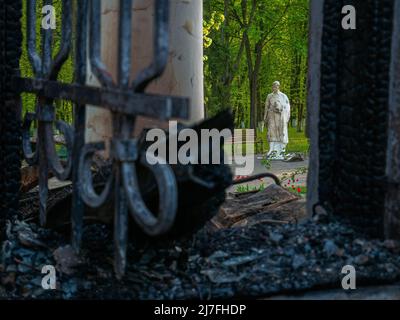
(276, 256)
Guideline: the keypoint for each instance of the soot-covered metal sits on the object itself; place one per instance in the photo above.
(124, 98)
(354, 108)
(10, 135)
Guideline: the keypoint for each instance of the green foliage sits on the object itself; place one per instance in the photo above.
(298, 142)
(266, 163)
(298, 191)
(261, 41)
(64, 108)
(213, 24)
(248, 188)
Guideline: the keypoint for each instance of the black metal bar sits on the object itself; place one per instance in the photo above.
(62, 173)
(97, 66)
(161, 48)
(87, 191)
(77, 209)
(47, 38)
(123, 127)
(44, 68)
(167, 186)
(125, 46)
(34, 57)
(66, 37)
(125, 105)
(43, 175)
(118, 101)
(30, 156)
(120, 226)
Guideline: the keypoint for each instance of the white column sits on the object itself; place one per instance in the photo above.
(98, 120)
(184, 73)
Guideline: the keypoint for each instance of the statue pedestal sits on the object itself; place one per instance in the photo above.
(276, 151)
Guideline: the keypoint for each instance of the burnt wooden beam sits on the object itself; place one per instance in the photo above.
(392, 201)
(313, 99)
(353, 112)
(10, 109)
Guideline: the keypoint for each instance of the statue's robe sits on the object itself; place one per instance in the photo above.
(277, 115)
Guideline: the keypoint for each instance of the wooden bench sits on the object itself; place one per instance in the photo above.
(247, 136)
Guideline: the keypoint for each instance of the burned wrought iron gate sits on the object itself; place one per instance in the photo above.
(125, 100)
(353, 111)
(10, 51)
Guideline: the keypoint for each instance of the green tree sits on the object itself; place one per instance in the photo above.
(258, 42)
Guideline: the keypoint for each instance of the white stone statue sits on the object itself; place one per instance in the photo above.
(276, 118)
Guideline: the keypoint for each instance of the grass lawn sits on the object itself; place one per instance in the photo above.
(298, 142)
(298, 190)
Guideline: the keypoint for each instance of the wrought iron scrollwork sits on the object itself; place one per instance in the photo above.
(124, 98)
(46, 68)
(124, 149)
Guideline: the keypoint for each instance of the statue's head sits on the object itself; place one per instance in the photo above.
(275, 86)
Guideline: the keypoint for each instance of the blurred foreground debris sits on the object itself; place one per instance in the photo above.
(273, 205)
(260, 261)
(201, 187)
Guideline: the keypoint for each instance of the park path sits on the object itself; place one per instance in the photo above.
(278, 167)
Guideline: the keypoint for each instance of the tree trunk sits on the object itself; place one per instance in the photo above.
(300, 117)
(300, 106)
(253, 101)
(253, 73)
(294, 85)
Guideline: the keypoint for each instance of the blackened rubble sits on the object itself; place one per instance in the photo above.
(258, 261)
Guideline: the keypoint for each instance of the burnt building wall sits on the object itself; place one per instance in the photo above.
(10, 125)
(354, 107)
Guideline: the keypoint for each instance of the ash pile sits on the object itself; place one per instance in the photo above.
(260, 260)
(250, 245)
